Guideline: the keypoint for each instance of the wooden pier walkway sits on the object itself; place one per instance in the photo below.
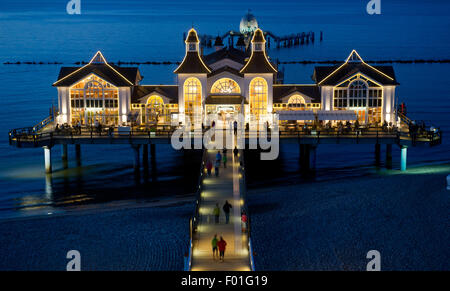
(226, 187)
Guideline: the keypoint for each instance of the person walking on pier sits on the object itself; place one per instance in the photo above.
(244, 219)
(224, 160)
(216, 213)
(226, 208)
(222, 244)
(209, 167)
(218, 157)
(216, 167)
(214, 247)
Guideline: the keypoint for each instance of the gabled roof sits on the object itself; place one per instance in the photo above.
(226, 53)
(280, 91)
(118, 76)
(169, 91)
(333, 75)
(226, 69)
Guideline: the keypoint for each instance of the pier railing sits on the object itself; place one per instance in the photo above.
(194, 220)
(69, 134)
(243, 191)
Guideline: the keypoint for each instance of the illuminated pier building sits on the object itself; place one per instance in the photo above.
(225, 82)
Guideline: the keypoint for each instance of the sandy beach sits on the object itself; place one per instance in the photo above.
(327, 225)
(141, 237)
(332, 225)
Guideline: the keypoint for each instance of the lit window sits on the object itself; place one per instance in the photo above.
(154, 108)
(192, 96)
(296, 102)
(225, 86)
(258, 97)
(95, 98)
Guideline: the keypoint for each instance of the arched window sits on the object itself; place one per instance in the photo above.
(258, 97)
(192, 96)
(225, 86)
(95, 99)
(357, 93)
(296, 102)
(154, 108)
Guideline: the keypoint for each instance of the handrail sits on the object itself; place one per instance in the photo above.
(193, 222)
(28, 134)
(243, 192)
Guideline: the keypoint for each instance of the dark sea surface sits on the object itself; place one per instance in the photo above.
(152, 31)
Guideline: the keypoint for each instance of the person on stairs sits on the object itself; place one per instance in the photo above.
(216, 213)
(222, 244)
(214, 247)
(226, 208)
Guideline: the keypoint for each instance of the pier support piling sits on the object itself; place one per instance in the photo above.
(305, 157)
(312, 157)
(137, 160)
(377, 154)
(48, 159)
(64, 156)
(153, 153)
(403, 156)
(389, 156)
(145, 156)
(78, 154)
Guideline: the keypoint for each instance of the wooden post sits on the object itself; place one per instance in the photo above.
(78, 154)
(145, 156)
(312, 157)
(377, 154)
(64, 155)
(389, 156)
(137, 160)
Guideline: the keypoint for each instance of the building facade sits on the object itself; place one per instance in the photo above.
(226, 82)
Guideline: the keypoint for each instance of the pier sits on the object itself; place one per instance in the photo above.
(308, 138)
(228, 186)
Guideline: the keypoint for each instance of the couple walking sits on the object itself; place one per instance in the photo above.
(219, 159)
(226, 209)
(218, 246)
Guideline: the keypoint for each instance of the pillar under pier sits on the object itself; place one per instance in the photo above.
(307, 157)
(389, 156)
(64, 156)
(377, 154)
(403, 156)
(312, 157)
(48, 159)
(78, 154)
(145, 156)
(137, 160)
